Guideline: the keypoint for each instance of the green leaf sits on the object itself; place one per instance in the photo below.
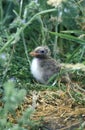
(68, 37)
(74, 31)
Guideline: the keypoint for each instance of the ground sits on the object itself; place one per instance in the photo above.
(55, 109)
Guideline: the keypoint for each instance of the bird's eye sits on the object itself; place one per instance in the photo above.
(42, 51)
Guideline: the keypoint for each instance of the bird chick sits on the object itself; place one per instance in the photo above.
(43, 67)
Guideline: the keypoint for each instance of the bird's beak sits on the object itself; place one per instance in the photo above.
(33, 53)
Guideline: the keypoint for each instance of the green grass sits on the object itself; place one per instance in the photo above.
(25, 25)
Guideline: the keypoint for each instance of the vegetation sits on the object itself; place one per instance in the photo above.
(25, 24)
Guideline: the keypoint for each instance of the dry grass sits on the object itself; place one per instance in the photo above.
(54, 109)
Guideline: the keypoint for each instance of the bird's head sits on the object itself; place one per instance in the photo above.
(41, 52)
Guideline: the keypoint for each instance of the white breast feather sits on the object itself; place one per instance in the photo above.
(36, 70)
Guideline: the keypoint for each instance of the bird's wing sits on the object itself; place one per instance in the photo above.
(50, 68)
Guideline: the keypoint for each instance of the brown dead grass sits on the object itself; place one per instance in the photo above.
(57, 109)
